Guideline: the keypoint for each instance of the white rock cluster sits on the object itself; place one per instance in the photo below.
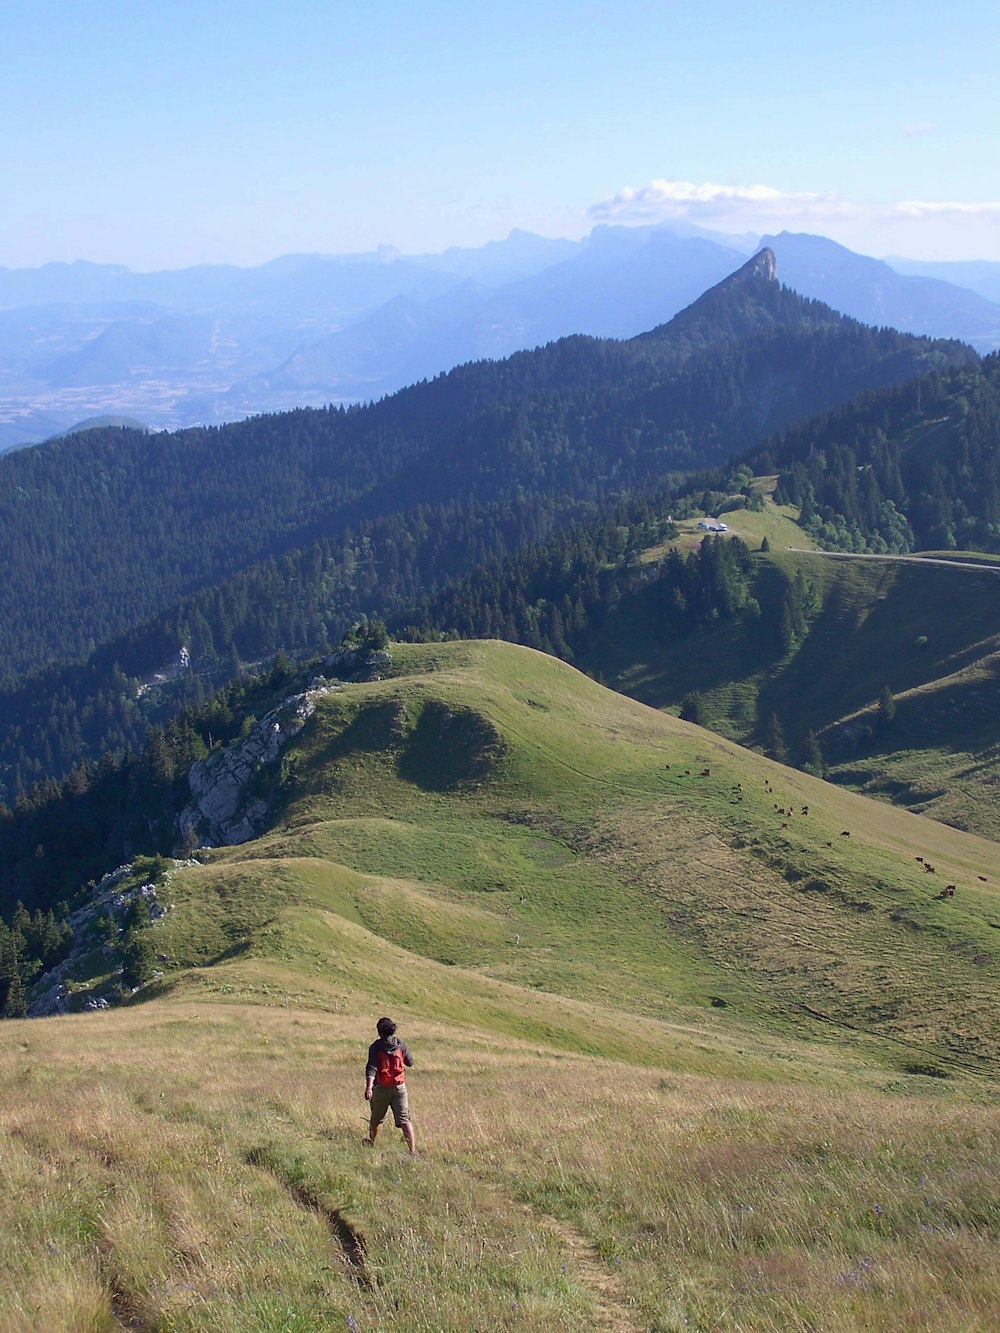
(221, 812)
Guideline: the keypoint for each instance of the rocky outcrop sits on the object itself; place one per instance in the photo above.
(227, 805)
(224, 808)
(50, 993)
(763, 265)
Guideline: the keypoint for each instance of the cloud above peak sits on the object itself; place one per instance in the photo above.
(661, 200)
(930, 228)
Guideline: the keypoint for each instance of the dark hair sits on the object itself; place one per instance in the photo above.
(385, 1027)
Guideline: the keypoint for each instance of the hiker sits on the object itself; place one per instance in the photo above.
(385, 1082)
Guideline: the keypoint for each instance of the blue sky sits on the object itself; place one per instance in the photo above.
(161, 135)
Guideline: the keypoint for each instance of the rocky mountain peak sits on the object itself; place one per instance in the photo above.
(763, 265)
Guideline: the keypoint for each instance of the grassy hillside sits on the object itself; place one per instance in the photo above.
(777, 523)
(929, 633)
(683, 1061)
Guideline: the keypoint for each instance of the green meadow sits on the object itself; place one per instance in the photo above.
(928, 633)
(698, 1044)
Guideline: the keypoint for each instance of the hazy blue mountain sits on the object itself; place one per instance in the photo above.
(873, 292)
(80, 283)
(216, 343)
(622, 281)
(349, 283)
(83, 339)
(29, 427)
(100, 423)
(521, 255)
(979, 275)
(172, 344)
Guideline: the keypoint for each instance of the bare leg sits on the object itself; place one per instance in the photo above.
(411, 1142)
(373, 1133)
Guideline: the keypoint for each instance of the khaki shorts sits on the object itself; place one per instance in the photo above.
(383, 1098)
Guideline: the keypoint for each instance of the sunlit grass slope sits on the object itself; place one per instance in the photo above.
(931, 634)
(688, 1056)
(492, 811)
(191, 1166)
(775, 522)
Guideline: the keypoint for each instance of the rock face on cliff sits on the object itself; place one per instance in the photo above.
(223, 809)
(763, 265)
(50, 993)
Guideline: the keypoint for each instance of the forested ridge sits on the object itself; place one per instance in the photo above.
(303, 600)
(102, 531)
(915, 467)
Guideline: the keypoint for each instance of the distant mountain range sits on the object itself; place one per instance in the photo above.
(218, 343)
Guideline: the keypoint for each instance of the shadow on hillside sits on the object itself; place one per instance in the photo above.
(449, 748)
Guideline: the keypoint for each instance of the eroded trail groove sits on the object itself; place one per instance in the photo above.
(350, 1240)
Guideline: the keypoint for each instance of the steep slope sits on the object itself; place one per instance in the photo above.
(876, 293)
(826, 638)
(620, 283)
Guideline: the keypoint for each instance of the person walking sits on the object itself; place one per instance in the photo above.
(385, 1082)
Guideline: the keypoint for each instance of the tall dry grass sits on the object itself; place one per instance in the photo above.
(202, 1168)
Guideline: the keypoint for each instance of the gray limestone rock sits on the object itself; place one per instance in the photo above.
(223, 810)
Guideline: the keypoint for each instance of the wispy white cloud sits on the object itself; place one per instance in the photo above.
(919, 129)
(661, 200)
(918, 208)
(764, 207)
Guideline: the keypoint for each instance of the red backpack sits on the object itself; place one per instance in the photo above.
(390, 1068)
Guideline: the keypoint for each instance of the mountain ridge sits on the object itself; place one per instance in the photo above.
(280, 533)
(300, 330)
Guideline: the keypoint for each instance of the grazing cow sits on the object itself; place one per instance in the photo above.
(982, 877)
(805, 809)
(845, 833)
